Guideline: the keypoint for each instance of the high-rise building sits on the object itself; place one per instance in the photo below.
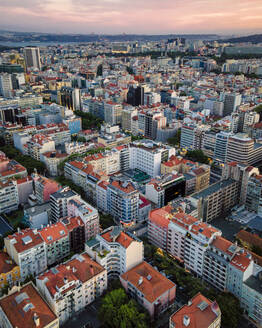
(123, 200)
(231, 101)
(59, 203)
(32, 57)
(70, 98)
(6, 85)
(135, 96)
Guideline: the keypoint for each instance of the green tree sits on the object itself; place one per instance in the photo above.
(117, 311)
(197, 156)
(175, 140)
(130, 70)
(89, 121)
(256, 249)
(230, 310)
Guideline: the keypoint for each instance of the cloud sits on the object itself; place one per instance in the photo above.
(132, 16)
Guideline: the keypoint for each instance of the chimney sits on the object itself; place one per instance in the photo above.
(140, 281)
(36, 320)
(186, 320)
(92, 270)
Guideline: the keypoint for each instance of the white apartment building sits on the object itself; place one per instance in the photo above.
(88, 214)
(59, 203)
(76, 147)
(113, 113)
(6, 85)
(9, 198)
(70, 287)
(28, 250)
(147, 156)
(38, 145)
(116, 251)
(101, 196)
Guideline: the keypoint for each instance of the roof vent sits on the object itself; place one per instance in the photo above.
(140, 281)
(149, 277)
(186, 320)
(36, 320)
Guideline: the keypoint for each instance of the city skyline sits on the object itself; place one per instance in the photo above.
(122, 16)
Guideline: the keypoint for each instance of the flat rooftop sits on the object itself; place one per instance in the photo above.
(213, 188)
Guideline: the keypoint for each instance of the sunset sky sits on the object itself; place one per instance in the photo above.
(133, 16)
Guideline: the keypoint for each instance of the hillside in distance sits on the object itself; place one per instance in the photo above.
(256, 38)
(7, 36)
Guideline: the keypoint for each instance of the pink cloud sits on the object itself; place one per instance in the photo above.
(133, 16)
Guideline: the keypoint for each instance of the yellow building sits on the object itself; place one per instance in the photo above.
(9, 271)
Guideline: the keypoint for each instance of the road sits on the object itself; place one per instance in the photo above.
(85, 319)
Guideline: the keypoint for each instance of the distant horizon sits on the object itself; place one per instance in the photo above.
(12, 30)
(150, 17)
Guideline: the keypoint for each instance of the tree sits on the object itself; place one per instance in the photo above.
(197, 156)
(175, 140)
(230, 310)
(117, 311)
(106, 221)
(89, 121)
(130, 70)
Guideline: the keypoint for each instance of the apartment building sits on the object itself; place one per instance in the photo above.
(149, 288)
(117, 251)
(251, 298)
(101, 196)
(56, 238)
(76, 147)
(219, 254)
(147, 156)
(59, 203)
(240, 268)
(127, 114)
(28, 250)
(38, 145)
(166, 188)
(158, 221)
(88, 214)
(9, 199)
(44, 187)
(113, 113)
(190, 238)
(52, 159)
(76, 231)
(216, 199)
(192, 136)
(10, 168)
(254, 194)
(9, 271)
(68, 288)
(200, 312)
(242, 174)
(108, 162)
(25, 307)
(122, 200)
(237, 148)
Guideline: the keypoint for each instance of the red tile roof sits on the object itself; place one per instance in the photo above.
(80, 267)
(197, 318)
(54, 232)
(123, 239)
(16, 311)
(159, 217)
(241, 260)
(151, 283)
(25, 240)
